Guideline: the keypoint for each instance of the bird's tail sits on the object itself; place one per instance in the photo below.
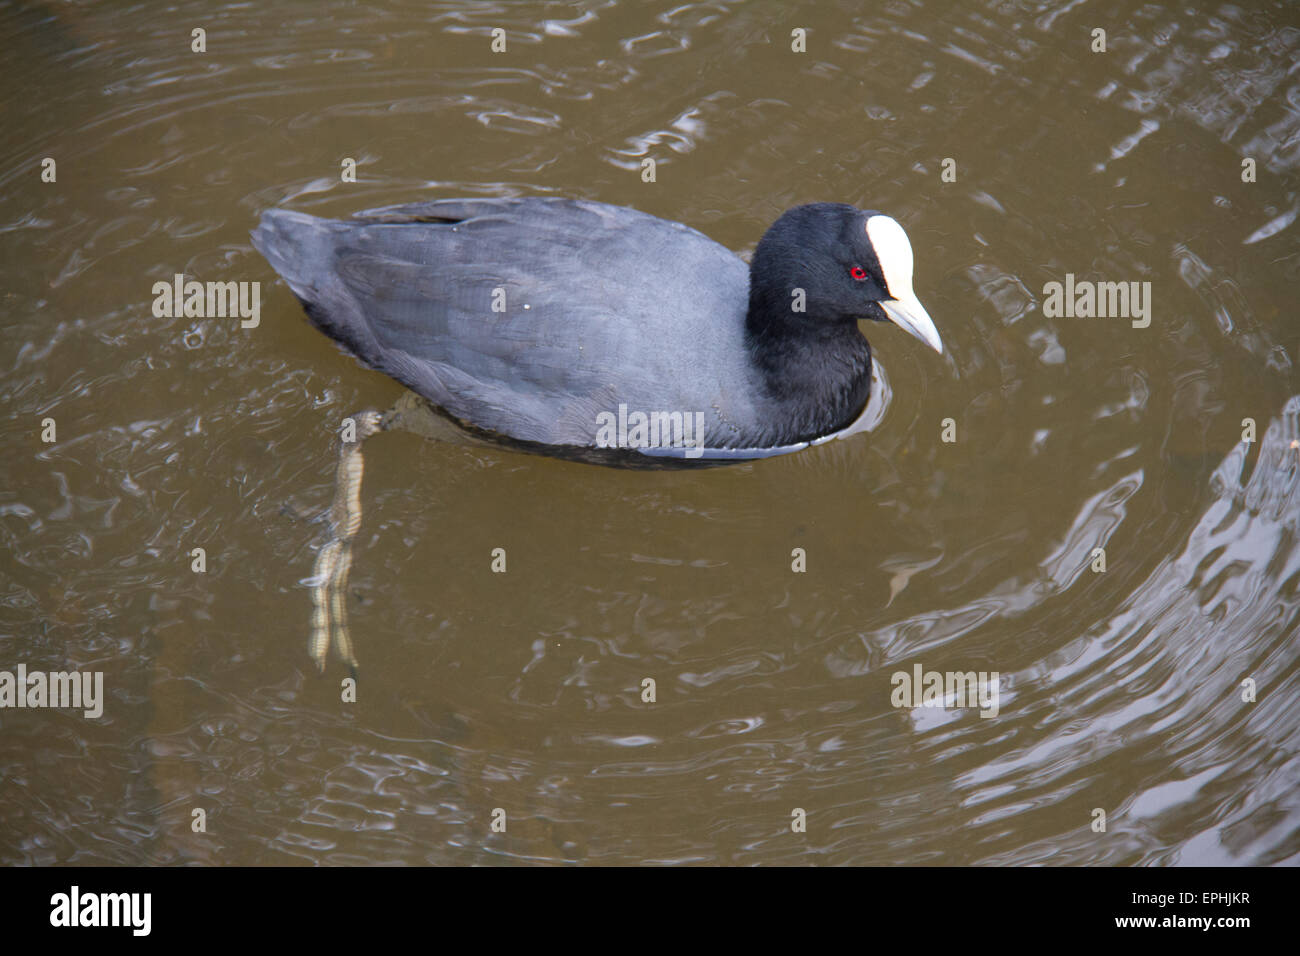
(303, 250)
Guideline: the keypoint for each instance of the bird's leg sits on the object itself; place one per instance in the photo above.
(329, 619)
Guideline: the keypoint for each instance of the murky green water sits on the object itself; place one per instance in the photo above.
(1120, 690)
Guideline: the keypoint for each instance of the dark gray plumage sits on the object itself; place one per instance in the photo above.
(603, 306)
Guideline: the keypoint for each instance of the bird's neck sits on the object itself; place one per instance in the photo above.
(818, 371)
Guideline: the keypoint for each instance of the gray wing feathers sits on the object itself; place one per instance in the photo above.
(410, 291)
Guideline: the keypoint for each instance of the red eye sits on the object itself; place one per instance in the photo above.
(858, 273)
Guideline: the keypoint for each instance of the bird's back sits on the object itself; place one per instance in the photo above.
(532, 317)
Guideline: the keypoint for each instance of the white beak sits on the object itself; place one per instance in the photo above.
(907, 312)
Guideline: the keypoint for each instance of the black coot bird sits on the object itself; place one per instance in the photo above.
(536, 319)
(578, 329)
